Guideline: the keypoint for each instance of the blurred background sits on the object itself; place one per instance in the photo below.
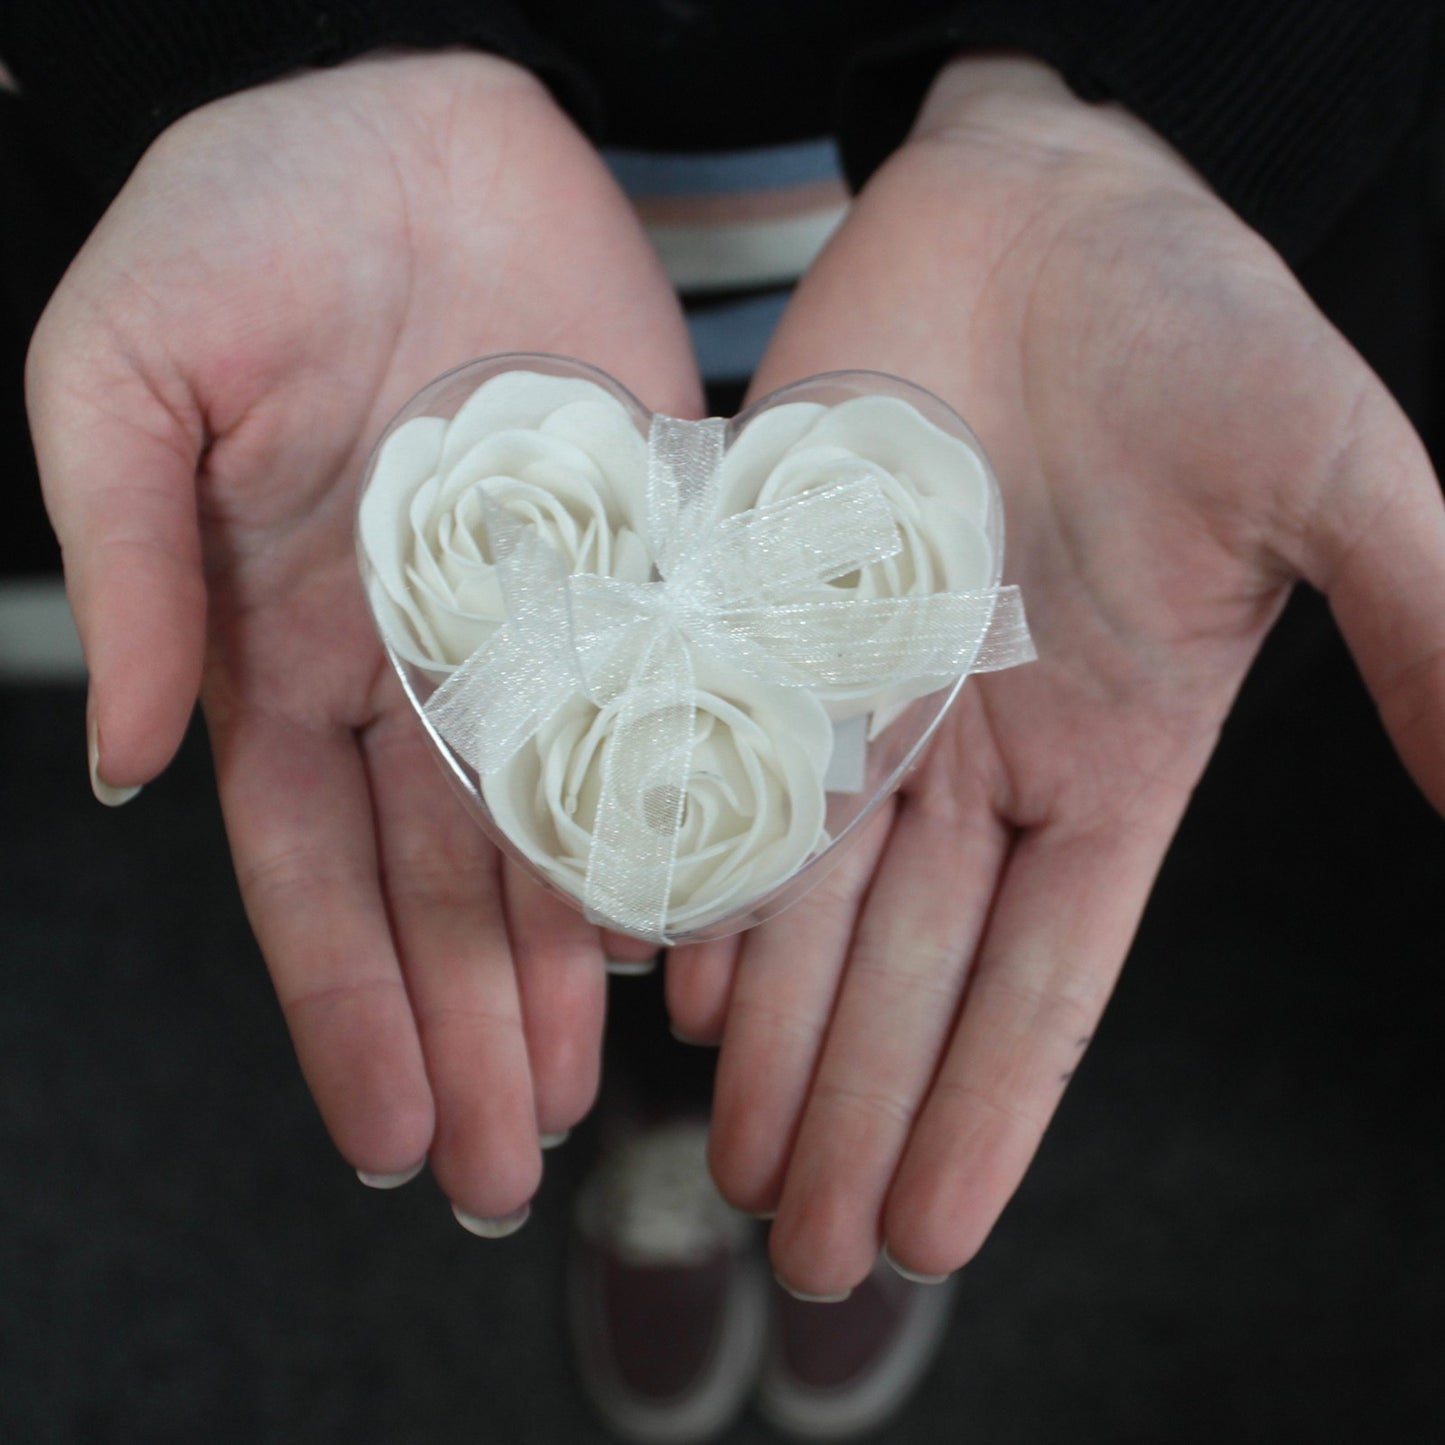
(1236, 1228)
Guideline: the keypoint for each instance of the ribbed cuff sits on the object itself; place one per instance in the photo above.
(107, 76)
(1288, 109)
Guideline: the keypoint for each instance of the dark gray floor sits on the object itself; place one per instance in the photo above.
(1234, 1232)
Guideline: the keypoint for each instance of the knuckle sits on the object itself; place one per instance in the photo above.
(1003, 1104)
(868, 1103)
(791, 1024)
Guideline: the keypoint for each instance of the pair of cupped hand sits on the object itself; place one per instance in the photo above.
(1180, 436)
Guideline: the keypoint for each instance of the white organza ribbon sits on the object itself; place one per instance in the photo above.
(743, 587)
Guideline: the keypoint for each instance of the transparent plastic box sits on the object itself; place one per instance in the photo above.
(674, 667)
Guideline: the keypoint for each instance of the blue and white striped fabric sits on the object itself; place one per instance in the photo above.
(735, 230)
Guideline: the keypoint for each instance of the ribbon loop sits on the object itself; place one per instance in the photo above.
(773, 552)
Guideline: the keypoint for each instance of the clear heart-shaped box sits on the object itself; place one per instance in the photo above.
(674, 667)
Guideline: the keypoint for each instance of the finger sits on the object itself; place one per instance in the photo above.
(1066, 910)
(698, 985)
(918, 930)
(563, 989)
(299, 819)
(628, 956)
(443, 887)
(782, 996)
(1378, 551)
(118, 468)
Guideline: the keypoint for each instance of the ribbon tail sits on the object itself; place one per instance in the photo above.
(497, 699)
(877, 642)
(1006, 642)
(682, 462)
(643, 796)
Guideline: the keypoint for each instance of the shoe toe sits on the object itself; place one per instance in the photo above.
(833, 1371)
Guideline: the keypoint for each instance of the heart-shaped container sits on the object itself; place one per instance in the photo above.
(781, 775)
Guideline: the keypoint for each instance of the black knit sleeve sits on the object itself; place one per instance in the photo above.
(105, 77)
(1288, 108)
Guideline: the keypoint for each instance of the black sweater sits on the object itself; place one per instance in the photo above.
(1288, 107)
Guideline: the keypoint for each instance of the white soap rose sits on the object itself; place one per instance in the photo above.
(557, 454)
(934, 483)
(754, 803)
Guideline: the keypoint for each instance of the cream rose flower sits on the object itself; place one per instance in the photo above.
(935, 484)
(557, 454)
(754, 803)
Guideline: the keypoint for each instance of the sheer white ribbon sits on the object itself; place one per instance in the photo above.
(737, 586)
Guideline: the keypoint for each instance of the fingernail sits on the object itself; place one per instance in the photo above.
(551, 1141)
(498, 1228)
(104, 792)
(390, 1181)
(682, 1038)
(631, 967)
(812, 1299)
(912, 1274)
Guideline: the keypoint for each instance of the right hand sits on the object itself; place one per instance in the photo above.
(282, 270)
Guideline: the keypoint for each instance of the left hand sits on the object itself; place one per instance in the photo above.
(1180, 436)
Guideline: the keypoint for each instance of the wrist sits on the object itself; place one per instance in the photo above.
(400, 98)
(1020, 101)
(989, 77)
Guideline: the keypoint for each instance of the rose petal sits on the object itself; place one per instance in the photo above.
(403, 462)
(522, 454)
(410, 638)
(960, 549)
(515, 400)
(759, 759)
(758, 448)
(901, 440)
(607, 434)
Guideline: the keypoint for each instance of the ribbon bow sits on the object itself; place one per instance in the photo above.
(730, 586)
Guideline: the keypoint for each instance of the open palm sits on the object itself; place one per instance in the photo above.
(1179, 436)
(282, 271)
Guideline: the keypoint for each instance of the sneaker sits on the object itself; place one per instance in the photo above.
(837, 1370)
(667, 1298)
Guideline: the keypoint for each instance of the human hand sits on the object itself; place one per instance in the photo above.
(284, 268)
(1179, 435)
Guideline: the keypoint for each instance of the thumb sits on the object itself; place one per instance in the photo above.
(1377, 549)
(117, 464)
